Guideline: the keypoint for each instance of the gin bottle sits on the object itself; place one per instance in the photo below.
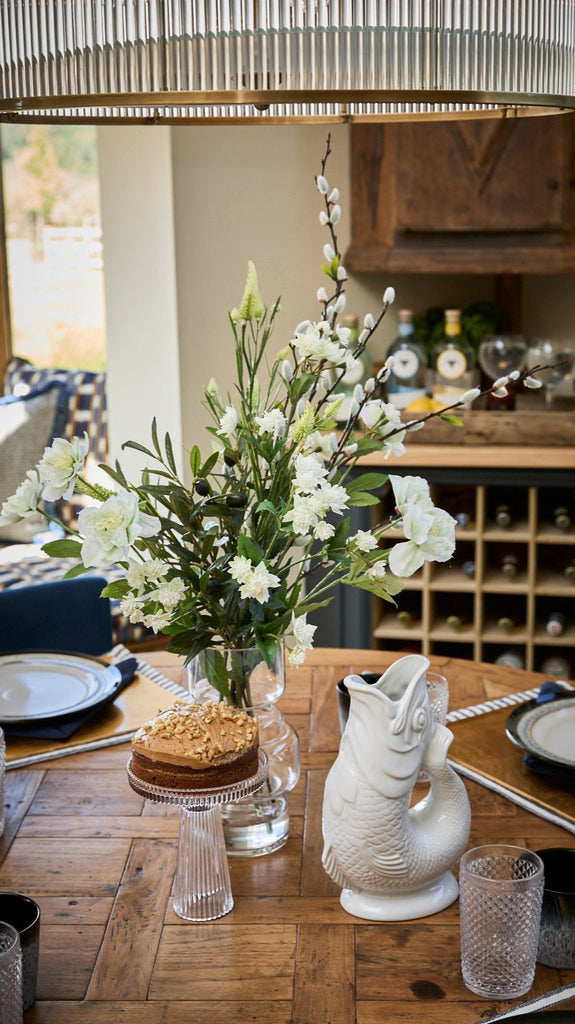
(407, 380)
(452, 361)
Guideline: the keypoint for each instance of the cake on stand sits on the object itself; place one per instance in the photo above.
(202, 889)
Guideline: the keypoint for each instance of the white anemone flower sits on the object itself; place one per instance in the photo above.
(61, 465)
(24, 502)
(431, 538)
(110, 530)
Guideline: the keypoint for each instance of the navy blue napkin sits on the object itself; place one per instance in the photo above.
(62, 728)
(547, 692)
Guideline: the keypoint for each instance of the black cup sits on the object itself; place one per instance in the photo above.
(344, 699)
(24, 915)
(557, 931)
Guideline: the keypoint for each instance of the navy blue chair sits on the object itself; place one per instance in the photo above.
(68, 615)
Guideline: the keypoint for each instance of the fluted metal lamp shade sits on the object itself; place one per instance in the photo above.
(198, 61)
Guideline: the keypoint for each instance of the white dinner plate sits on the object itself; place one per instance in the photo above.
(546, 730)
(37, 685)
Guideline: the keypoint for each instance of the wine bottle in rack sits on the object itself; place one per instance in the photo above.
(510, 659)
(556, 665)
(404, 618)
(509, 566)
(507, 623)
(555, 624)
(569, 571)
(462, 519)
(455, 622)
(468, 568)
(503, 516)
(561, 518)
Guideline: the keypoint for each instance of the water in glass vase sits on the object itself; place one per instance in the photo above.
(258, 824)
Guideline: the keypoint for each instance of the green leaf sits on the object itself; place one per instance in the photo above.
(76, 570)
(116, 474)
(362, 498)
(195, 460)
(341, 534)
(266, 506)
(366, 482)
(209, 464)
(300, 385)
(116, 589)
(267, 646)
(450, 417)
(170, 455)
(214, 665)
(155, 440)
(63, 548)
(249, 549)
(138, 448)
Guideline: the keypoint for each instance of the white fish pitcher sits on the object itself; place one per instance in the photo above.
(392, 860)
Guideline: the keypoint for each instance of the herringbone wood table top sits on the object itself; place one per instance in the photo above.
(100, 861)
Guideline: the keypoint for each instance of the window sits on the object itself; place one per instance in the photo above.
(53, 245)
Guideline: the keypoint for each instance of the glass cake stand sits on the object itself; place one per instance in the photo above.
(202, 888)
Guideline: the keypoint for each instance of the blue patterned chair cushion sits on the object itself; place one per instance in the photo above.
(85, 412)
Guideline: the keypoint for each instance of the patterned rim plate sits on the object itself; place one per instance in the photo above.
(37, 685)
(545, 1017)
(545, 730)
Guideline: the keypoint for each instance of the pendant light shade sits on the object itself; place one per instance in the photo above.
(270, 61)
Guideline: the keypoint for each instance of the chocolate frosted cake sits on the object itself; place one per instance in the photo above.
(196, 746)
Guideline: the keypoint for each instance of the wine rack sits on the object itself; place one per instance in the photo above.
(510, 573)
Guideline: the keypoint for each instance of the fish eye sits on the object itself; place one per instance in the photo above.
(419, 719)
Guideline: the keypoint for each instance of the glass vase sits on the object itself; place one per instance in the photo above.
(257, 824)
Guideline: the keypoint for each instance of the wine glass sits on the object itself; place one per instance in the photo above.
(499, 355)
(558, 355)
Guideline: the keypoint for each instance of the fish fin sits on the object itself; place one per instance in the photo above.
(332, 867)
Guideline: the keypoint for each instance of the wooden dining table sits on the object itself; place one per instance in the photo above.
(100, 861)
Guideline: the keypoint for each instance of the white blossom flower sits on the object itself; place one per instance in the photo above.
(324, 531)
(131, 606)
(24, 502)
(303, 631)
(155, 569)
(377, 571)
(157, 621)
(272, 422)
(110, 529)
(363, 540)
(309, 471)
(296, 657)
(136, 576)
(170, 593)
(258, 584)
(372, 413)
(333, 498)
(61, 465)
(324, 443)
(228, 422)
(240, 568)
(470, 396)
(409, 491)
(302, 516)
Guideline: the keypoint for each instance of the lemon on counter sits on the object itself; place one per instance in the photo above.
(425, 405)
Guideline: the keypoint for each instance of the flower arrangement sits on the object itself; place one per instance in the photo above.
(245, 553)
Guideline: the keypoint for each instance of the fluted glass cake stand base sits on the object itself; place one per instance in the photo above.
(202, 888)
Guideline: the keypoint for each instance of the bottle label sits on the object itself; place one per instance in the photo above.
(404, 396)
(405, 364)
(451, 364)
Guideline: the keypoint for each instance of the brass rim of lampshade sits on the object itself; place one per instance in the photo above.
(181, 107)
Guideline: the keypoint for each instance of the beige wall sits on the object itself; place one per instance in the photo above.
(186, 209)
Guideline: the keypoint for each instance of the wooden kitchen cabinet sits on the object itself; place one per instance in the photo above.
(479, 196)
